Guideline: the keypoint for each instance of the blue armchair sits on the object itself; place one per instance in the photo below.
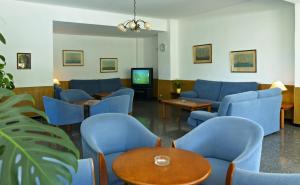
(116, 104)
(62, 113)
(261, 106)
(225, 140)
(85, 173)
(124, 91)
(73, 95)
(106, 136)
(245, 177)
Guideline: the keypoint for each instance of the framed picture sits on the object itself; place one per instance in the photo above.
(243, 61)
(202, 54)
(73, 58)
(23, 60)
(108, 65)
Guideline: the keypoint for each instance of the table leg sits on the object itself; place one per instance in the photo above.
(281, 118)
(209, 108)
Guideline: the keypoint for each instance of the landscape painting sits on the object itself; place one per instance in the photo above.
(72, 58)
(108, 65)
(243, 61)
(202, 54)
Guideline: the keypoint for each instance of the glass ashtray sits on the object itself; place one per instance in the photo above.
(162, 160)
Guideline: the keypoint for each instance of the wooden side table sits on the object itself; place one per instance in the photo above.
(284, 107)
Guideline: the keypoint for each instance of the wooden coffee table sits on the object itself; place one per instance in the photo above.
(185, 168)
(185, 104)
(101, 95)
(86, 105)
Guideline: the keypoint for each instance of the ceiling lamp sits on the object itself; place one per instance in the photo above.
(134, 25)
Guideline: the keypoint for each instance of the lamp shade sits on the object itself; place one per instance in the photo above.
(56, 81)
(278, 84)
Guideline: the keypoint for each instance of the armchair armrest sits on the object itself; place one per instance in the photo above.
(203, 115)
(189, 94)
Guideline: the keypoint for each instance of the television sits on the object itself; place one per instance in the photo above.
(141, 77)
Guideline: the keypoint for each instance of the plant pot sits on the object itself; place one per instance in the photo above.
(178, 90)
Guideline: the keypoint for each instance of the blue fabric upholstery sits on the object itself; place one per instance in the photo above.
(245, 177)
(85, 173)
(236, 87)
(124, 91)
(62, 113)
(116, 104)
(260, 106)
(111, 134)
(209, 90)
(73, 95)
(215, 91)
(223, 140)
(97, 85)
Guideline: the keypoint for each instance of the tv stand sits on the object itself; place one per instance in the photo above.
(143, 92)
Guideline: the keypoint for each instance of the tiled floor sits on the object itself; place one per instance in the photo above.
(281, 151)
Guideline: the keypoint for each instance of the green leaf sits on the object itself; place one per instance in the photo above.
(2, 58)
(10, 76)
(41, 151)
(2, 39)
(2, 66)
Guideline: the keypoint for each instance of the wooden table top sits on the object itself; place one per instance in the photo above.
(86, 102)
(286, 106)
(186, 103)
(101, 95)
(185, 168)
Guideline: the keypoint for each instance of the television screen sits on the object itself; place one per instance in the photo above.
(141, 76)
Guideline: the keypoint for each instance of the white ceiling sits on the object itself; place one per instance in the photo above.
(97, 30)
(151, 8)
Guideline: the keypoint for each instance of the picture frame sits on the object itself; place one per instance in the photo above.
(243, 61)
(202, 54)
(23, 60)
(108, 65)
(73, 58)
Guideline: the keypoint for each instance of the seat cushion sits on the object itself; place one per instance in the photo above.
(209, 90)
(218, 172)
(229, 88)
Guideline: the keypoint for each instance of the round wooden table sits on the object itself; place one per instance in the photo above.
(185, 168)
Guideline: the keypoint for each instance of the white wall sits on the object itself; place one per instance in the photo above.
(130, 52)
(297, 44)
(265, 25)
(28, 28)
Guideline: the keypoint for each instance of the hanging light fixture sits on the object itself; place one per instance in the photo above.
(134, 25)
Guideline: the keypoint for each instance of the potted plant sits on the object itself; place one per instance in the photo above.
(31, 153)
(6, 79)
(177, 84)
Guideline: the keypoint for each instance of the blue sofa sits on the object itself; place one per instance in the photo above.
(215, 91)
(262, 106)
(95, 86)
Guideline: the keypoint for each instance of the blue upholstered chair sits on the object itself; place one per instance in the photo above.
(85, 173)
(245, 177)
(106, 136)
(261, 106)
(124, 91)
(225, 140)
(116, 104)
(62, 113)
(73, 95)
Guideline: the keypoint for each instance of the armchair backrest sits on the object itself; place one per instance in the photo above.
(236, 98)
(72, 95)
(60, 112)
(124, 91)
(115, 132)
(116, 104)
(225, 138)
(245, 177)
